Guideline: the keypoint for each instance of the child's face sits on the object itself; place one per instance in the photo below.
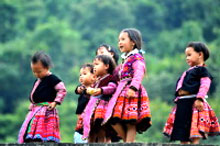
(39, 70)
(86, 77)
(125, 44)
(193, 58)
(104, 51)
(100, 68)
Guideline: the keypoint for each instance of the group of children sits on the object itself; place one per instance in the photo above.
(113, 104)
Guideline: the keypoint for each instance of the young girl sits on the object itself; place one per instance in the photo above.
(42, 121)
(105, 49)
(101, 93)
(87, 79)
(192, 118)
(129, 107)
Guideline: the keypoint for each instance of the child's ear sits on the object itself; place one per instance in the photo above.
(107, 67)
(201, 55)
(133, 44)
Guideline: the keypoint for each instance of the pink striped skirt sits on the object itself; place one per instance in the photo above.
(40, 124)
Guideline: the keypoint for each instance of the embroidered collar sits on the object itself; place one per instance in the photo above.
(126, 55)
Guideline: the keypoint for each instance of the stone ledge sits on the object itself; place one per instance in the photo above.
(98, 144)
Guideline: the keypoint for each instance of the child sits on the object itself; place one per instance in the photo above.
(101, 93)
(192, 118)
(105, 49)
(129, 107)
(87, 78)
(42, 121)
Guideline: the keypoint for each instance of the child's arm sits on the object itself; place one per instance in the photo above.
(139, 71)
(205, 83)
(79, 89)
(109, 89)
(106, 90)
(61, 92)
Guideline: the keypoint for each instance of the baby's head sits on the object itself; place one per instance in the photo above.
(40, 64)
(87, 76)
(103, 65)
(196, 53)
(105, 49)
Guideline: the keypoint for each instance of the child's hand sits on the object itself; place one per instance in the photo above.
(80, 89)
(130, 93)
(52, 105)
(93, 91)
(97, 92)
(199, 105)
(90, 91)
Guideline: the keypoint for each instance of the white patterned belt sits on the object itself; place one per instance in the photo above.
(189, 96)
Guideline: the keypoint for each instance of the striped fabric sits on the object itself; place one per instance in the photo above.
(61, 92)
(133, 110)
(204, 87)
(40, 124)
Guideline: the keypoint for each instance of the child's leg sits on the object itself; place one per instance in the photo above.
(120, 130)
(195, 140)
(101, 136)
(131, 133)
(92, 137)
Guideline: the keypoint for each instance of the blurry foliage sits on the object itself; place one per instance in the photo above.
(71, 30)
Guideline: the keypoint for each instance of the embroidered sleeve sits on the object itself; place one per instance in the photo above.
(61, 92)
(109, 89)
(139, 70)
(204, 87)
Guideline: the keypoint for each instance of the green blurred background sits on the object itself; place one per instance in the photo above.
(71, 30)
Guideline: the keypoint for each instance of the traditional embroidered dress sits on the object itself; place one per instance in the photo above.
(40, 123)
(95, 110)
(185, 121)
(130, 110)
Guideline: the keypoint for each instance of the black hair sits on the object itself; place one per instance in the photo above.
(111, 49)
(107, 60)
(90, 66)
(135, 36)
(200, 47)
(43, 58)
